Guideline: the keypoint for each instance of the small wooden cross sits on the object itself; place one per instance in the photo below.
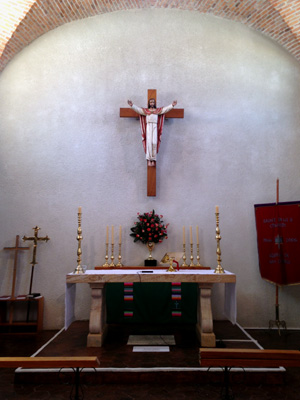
(16, 249)
(35, 240)
(130, 113)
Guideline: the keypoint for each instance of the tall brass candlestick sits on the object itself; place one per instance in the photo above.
(219, 269)
(79, 269)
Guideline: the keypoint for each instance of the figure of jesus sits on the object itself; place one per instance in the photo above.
(151, 120)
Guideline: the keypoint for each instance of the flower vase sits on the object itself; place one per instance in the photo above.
(150, 262)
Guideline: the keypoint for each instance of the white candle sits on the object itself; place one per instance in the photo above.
(217, 209)
(191, 235)
(197, 233)
(79, 210)
(120, 235)
(112, 234)
(107, 234)
(183, 229)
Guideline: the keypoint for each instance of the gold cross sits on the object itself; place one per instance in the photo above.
(35, 240)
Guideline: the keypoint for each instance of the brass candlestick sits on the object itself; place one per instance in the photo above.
(184, 257)
(112, 264)
(79, 269)
(119, 256)
(106, 265)
(192, 257)
(219, 269)
(198, 256)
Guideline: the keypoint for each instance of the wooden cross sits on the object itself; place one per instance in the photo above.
(130, 113)
(35, 240)
(16, 250)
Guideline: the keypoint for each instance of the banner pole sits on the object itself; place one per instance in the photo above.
(277, 322)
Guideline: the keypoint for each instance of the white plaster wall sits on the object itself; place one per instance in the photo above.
(63, 145)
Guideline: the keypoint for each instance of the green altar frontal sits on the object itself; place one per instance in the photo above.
(151, 302)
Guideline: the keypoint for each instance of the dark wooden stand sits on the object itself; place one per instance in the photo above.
(18, 306)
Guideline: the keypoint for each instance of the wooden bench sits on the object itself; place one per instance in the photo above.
(246, 358)
(249, 358)
(75, 363)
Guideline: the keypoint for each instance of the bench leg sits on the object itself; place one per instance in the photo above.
(227, 395)
(76, 386)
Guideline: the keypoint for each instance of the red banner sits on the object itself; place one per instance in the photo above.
(278, 242)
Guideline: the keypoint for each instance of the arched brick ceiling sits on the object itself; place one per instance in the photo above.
(23, 21)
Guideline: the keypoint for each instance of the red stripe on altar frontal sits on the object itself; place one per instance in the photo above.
(128, 314)
(176, 313)
(176, 297)
(128, 298)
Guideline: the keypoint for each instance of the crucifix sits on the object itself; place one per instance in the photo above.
(35, 240)
(171, 113)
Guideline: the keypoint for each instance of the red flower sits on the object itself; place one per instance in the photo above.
(148, 227)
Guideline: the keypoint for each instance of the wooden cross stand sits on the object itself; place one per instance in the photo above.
(16, 249)
(130, 113)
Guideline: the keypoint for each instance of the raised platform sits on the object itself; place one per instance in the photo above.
(119, 363)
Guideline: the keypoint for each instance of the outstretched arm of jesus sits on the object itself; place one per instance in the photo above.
(135, 108)
(166, 109)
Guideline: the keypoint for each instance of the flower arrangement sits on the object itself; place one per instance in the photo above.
(149, 228)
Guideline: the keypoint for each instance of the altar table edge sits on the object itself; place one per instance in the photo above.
(157, 275)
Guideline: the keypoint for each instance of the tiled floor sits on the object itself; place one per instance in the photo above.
(178, 378)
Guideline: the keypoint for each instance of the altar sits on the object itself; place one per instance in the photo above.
(97, 280)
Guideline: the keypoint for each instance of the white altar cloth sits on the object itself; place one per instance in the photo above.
(123, 275)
